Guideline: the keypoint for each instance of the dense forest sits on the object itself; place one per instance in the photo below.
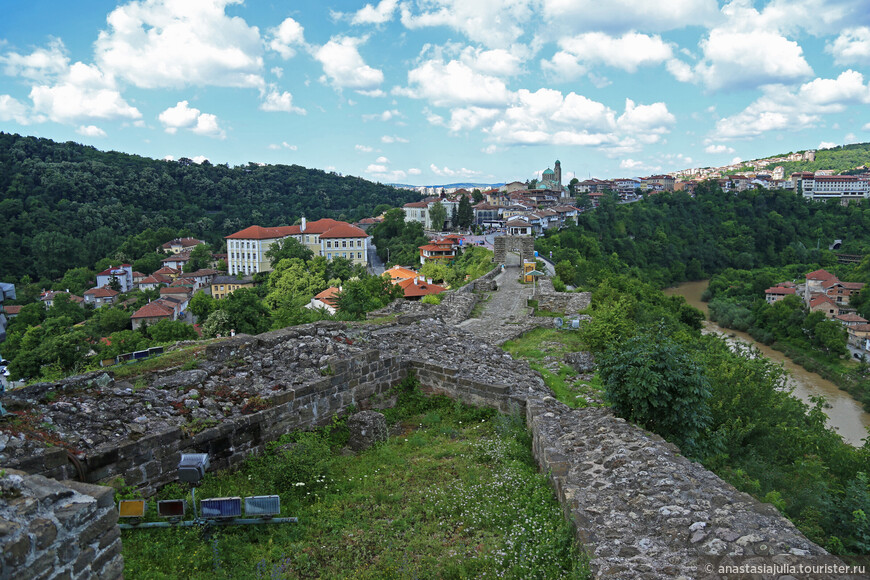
(729, 410)
(65, 205)
(841, 159)
(670, 238)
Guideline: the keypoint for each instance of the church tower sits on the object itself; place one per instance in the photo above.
(557, 169)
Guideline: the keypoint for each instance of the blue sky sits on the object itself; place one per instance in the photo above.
(439, 91)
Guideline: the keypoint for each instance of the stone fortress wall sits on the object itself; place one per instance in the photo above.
(640, 508)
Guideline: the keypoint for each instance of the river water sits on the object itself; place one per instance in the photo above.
(845, 414)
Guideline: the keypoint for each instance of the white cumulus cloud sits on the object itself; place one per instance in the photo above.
(379, 14)
(164, 43)
(13, 110)
(364, 148)
(281, 102)
(182, 116)
(454, 83)
(719, 149)
(90, 131)
(852, 46)
(286, 37)
(345, 68)
(627, 52)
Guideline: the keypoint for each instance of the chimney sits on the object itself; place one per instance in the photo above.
(302, 228)
(428, 280)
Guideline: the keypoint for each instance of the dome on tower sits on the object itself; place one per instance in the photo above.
(549, 171)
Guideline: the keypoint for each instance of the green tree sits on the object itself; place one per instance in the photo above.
(200, 258)
(286, 249)
(201, 305)
(437, 215)
(245, 312)
(657, 383)
(476, 196)
(217, 324)
(465, 213)
(831, 337)
(171, 331)
(62, 306)
(76, 280)
(149, 263)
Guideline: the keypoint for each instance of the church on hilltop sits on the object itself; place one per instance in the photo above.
(551, 179)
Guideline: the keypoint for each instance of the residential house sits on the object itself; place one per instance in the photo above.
(658, 183)
(179, 245)
(100, 296)
(152, 313)
(365, 223)
(201, 277)
(223, 286)
(397, 273)
(123, 274)
(822, 303)
(513, 186)
(343, 240)
(850, 319)
(153, 282)
(859, 336)
(437, 250)
(11, 311)
(777, 293)
(841, 292)
(47, 298)
(327, 300)
(177, 261)
(518, 227)
(167, 272)
(181, 294)
(420, 211)
(417, 287)
(138, 277)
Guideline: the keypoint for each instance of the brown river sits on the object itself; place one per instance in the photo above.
(845, 414)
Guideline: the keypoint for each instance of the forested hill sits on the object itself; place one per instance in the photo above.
(65, 205)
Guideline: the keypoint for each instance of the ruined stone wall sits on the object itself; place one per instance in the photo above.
(639, 507)
(566, 302)
(50, 529)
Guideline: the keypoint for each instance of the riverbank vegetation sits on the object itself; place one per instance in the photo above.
(453, 493)
(736, 300)
(730, 410)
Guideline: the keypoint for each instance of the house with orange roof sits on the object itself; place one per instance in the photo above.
(10, 311)
(327, 300)
(397, 273)
(850, 319)
(177, 261)
(437, 250)
(841, 292)
(100, 296)
(417, 287)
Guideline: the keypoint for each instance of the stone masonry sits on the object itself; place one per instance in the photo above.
(640, 509)
(53, 530)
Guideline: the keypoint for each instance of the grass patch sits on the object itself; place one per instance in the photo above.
(481, 304)
(542, 342)
(568, 389)
(455, 495)
(188, 357)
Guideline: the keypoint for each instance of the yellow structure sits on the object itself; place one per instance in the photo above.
(223, 286)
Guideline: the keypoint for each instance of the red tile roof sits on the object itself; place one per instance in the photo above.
(416, 204)
(166, 270)
(329, 296)
(153, 310)
(850, 317)
(12, 310)
(818, 300)
(860, 327)
(102, 292)
(153, 280)
(779, 290)
(112, 269)
(434, 248)
(820, 275)
(261, 233)
(343, 230)
(174, 290)
(183, 242)
(413, 288)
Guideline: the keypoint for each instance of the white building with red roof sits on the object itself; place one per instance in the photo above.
(326, 300)
(100, 296)
(246, 249)
(777, 293)
(179, 245)
(417, 287)
(122, 273)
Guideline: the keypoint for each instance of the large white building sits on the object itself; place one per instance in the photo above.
(842, 188)
(246, 249)
(418, 211)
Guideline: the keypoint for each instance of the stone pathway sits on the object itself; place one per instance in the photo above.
(505, 314)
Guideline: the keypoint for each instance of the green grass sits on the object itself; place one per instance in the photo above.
(567, 388)
(454, 495)
(542, 342)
